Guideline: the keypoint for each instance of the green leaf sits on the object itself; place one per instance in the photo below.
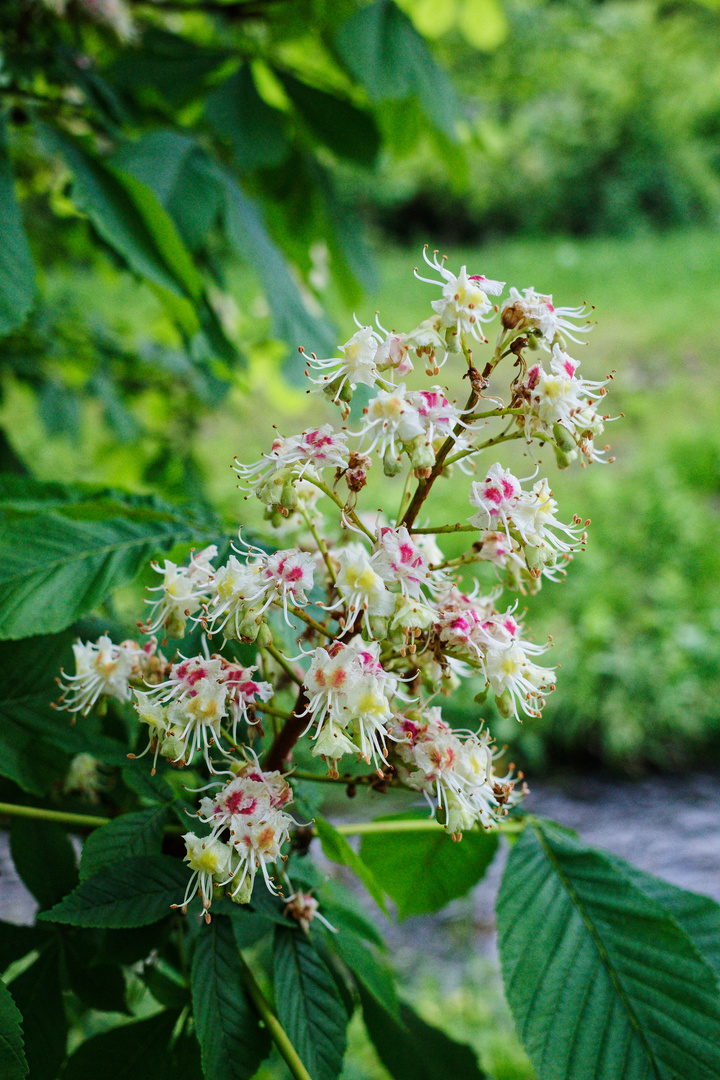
(231, 1041)
(44, 859)
(131, 892)
(346, 130)
(337, 848)
(138, 833)
(374, 974)
(13, 1065)
(239, 115)
(56, 564)
(138, 1051)
(98, 985)
(424, 871)
(290, 318)
(167, 67)
(129, 217)
(623, 990)
(38, 996)
(35, 740)
(178, 172)
(17, 273)
(308, 1004)
(414, 1050)
(698, 915)
(384, 51)
(17, 941)
(185, 1059)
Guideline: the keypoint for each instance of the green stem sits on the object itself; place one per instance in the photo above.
(445, 529)
(277, 655)
(61, 816)
(300, 614)
(277, 1031)
(339, 503)
(367, 828)
(261, 707)
(322, 546)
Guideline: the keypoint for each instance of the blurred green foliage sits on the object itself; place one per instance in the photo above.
(587, 117)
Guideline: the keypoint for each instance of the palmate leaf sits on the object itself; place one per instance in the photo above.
(346, 130)
(13, 1065)
(411, 1049)
(138, 833)
(35, 740)
(602, 981)
(386, 54)
(38, 996)
(138, 1051)
(59, 561)
(44, 859)
(424, 871)
(291, 320)
(337, 848)
(232, 1043)
(129, 217)
(17, 274)
(308, 1004)
(131, 892)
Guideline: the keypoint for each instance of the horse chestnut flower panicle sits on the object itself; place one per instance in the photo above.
(382, 619)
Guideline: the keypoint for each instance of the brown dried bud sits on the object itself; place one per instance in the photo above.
(512, 316)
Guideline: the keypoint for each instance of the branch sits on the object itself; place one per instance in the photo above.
(288, 735)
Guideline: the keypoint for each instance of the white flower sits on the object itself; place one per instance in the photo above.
(398, 559)
(428, 344)
(495, 497)
(362, 589)
(393, 355)
(535, 311)
(356, 365)
(102, 669)
(454, 774)
(84, 777)
(242, 693)
(209, 860)
(183, 590)
(390, 418)
(292, 457)
(349, 702)
(248, 808)
(465, 297)
(236, 599)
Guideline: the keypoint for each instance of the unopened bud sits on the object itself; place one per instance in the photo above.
(423, 455)
(391, 465)
(563, 438)
(288, 497)
(504, 704)
(264, 636)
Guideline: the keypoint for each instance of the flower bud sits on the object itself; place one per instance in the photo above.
(423, 455)
(563, 459)
(288, 497)
(563, 438)
(173, 747)
(264, 636)
(391, 465)
(505, 705)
